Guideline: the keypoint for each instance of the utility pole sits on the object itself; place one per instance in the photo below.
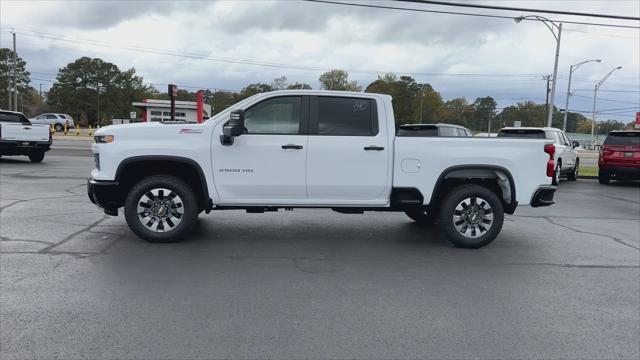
(15, 73)
(40, 91)
(421, 100)
(546, 104)
(98, 88)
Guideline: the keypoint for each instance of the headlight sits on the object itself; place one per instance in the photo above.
(103, 139)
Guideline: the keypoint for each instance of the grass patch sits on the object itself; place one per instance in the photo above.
(588, 171)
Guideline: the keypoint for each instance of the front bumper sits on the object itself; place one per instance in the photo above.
(543, 196)
(108, 195)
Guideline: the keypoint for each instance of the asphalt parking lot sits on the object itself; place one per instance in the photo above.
(559, 282)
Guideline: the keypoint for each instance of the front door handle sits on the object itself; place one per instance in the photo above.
(374, 147)
(292, 146)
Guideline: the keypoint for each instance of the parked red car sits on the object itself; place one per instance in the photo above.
(620, 156)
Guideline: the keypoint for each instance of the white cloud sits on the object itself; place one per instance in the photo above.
(330, 36)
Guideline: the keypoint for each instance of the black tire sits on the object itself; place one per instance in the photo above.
(187, 201)
(574, 173)
(421, 218)
(556, 174)
(603, 177)
(58, 127)
(36, 156)
(448, 210)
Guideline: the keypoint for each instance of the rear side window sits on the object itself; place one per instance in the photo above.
(14, 118)
(522, 133)
(623, 138)
(448, 131)
(417, 131)
(342, 116)
(51, 117)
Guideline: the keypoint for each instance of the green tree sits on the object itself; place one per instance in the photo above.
(409, 98)
(253, 89)
(88, 84)
(299, 86)
(484, 109)
(457, 111)
(28, 98)
(338, 80)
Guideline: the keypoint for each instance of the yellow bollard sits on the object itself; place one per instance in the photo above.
(52, 129)
(65, 128)
(90, 133)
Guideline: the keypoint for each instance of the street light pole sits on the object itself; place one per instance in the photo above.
(572, 68)
(595, 94)
(556, 30)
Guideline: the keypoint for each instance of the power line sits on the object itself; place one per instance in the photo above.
(461, 13)
(37, 34)
(610, 100)
(612, 90)
(544, 11)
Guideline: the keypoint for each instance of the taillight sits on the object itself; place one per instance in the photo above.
(607, 150)
(551, 165)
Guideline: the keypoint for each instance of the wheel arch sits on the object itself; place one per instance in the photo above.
(133, 169)
(496, 178)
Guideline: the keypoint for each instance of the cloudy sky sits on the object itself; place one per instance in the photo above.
(228, 44)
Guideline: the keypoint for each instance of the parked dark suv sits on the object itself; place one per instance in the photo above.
(620, 156)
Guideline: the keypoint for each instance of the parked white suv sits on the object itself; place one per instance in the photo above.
(566, 155)
(57, 120)
(314, 149)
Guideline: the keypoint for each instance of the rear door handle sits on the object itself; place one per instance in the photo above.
(292, 146)
(374, 147)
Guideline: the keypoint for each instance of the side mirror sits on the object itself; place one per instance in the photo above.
(575, 144)
(235, 127)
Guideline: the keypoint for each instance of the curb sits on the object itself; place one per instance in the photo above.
(72, 137)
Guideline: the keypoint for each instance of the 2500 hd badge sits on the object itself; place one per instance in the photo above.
(235, 170)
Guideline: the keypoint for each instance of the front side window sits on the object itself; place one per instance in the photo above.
(279, 115)
(342, 116)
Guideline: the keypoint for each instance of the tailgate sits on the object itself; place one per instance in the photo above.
(22, 132)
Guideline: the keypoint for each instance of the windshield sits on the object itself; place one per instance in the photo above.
(522, 133)
(239, 105)
(14, 118)
(623, 138)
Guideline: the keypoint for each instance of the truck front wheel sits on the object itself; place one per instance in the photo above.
(161, 209)
(471, 216)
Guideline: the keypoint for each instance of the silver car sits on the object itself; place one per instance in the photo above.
(57, 120)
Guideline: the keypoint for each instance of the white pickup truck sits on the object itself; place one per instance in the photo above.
(314, 149)
(18, 136)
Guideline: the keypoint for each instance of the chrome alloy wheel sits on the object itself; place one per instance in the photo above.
(160, 210)
(473, 217)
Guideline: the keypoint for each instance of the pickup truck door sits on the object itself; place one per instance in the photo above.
(266, 164)
(349, 150)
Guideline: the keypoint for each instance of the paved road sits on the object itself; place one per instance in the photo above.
(560, 282)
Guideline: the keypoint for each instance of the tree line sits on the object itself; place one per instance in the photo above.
(94, 91)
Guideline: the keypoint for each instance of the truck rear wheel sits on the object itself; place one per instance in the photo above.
(471, 216)
(421, 217)
(36, 156)
(161, 209)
